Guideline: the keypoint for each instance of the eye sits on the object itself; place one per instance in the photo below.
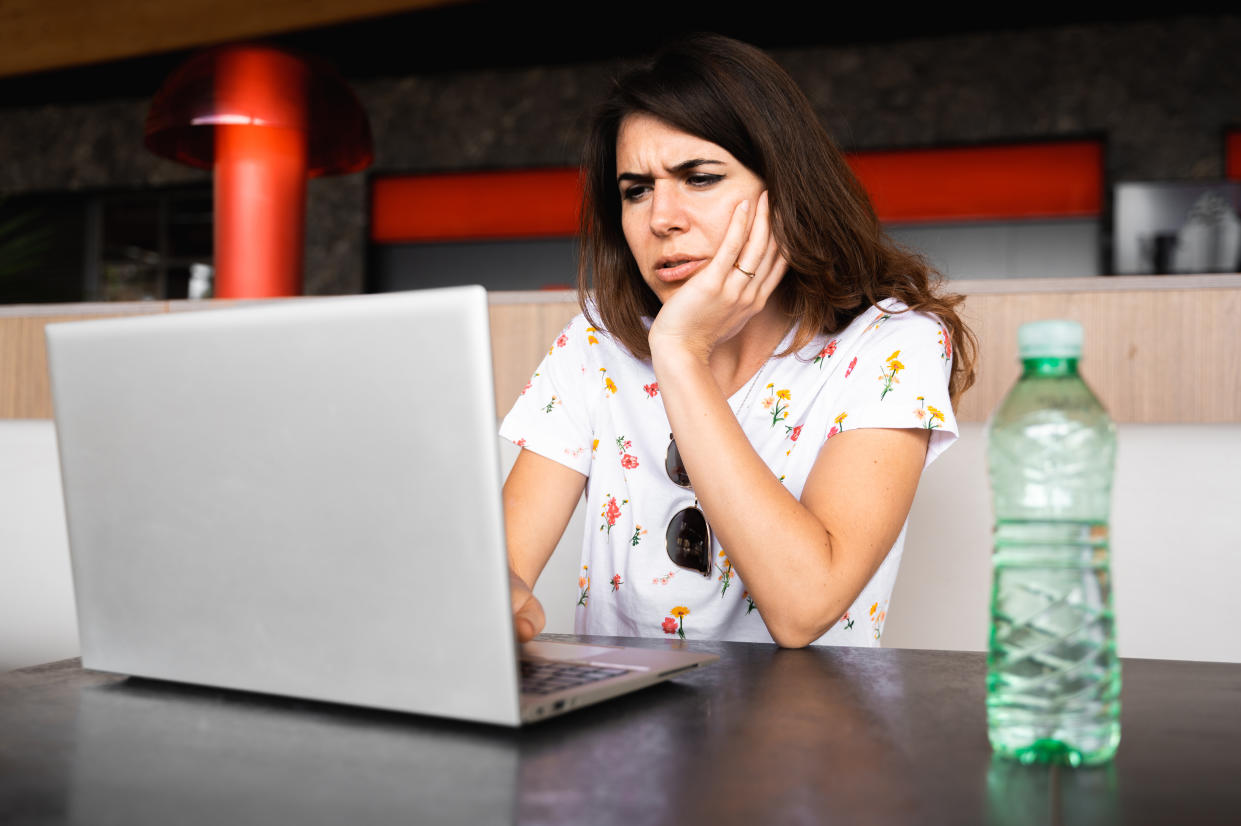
(703, 179)
(634, 192)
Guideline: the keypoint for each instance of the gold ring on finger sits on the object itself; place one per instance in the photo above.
(743, 270)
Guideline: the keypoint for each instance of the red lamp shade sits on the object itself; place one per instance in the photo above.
(265, 120)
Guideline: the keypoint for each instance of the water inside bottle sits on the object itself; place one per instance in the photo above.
(1053, 677)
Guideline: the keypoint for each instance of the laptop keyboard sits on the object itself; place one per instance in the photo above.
(545, 677)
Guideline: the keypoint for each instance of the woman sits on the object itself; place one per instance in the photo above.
(756, 385)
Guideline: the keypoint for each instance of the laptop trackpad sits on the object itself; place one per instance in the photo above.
(564, 651)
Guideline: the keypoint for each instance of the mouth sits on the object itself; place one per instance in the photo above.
(677, 268)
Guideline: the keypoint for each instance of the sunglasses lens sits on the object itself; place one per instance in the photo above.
(689, 542)
(675, 467)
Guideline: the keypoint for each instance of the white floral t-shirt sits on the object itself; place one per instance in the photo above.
(595, 408)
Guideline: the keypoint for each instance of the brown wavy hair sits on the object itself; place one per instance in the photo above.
(840, 260)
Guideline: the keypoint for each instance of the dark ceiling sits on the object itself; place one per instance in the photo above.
(504, 34)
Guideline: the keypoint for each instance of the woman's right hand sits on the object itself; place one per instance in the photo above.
(718, 301)
(528, 618)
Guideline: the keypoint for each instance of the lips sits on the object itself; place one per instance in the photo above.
(677, 268)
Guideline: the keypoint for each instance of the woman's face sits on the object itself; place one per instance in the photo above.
(678, 193)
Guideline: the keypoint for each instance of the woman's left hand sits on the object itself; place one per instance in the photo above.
(716, 302)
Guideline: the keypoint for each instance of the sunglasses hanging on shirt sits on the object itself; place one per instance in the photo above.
(688, 538)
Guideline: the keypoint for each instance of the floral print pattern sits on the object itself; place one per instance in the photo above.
(877, 616)
(561, 340)
(628, 460)
(583, 584)
(680, 612)
(838, 424)
(930, 416)
(793, 434)
(608, 384)
(887, 375)
(878, 322)
(611, 512)
(826, 353)
(726, 574)
(777, 403)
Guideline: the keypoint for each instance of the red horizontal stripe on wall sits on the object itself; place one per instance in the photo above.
(984, 182)
(528, 203)
(1232, 155)
(959, 184)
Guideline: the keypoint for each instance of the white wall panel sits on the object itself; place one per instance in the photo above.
(1007, 249)
(38, 622)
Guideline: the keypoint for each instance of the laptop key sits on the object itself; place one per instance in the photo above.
(545, 678)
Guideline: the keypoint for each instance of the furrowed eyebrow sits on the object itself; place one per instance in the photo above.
(681, 168)
(632, 177)
(686, 166)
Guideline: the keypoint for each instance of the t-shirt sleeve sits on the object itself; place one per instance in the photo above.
(898, 378)
(551, 415)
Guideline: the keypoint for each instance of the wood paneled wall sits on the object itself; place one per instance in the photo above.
(1165, 355)
(25, 392)
(1158, 349)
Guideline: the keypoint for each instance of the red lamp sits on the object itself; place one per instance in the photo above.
(265, 120)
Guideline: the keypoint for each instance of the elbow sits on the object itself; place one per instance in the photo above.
(792, 641)
(790, 633)
(799, 628)
(809, 612)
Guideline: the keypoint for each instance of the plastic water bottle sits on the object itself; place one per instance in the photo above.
(1053, 677)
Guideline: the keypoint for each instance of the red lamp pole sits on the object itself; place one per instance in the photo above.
(264, 120)
(260, 176)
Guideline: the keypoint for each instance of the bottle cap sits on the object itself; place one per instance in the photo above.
(1050, 339)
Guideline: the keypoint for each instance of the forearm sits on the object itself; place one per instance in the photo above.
(539, 498)
(779, 547)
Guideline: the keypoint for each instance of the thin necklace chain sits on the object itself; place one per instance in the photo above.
(750, 390)
(753, 383)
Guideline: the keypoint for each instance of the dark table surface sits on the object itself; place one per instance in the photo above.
(821, 735)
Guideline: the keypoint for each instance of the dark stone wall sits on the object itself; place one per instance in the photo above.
(1160, 94)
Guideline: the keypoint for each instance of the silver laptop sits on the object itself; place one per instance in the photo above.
(303, 498)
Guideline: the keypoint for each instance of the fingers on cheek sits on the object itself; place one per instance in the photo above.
(738, 230)
(779, 266)
(772, 249)
(772, 260)
(762, 216)
(733, 288)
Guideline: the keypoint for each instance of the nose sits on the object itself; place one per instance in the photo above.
(668, 214)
